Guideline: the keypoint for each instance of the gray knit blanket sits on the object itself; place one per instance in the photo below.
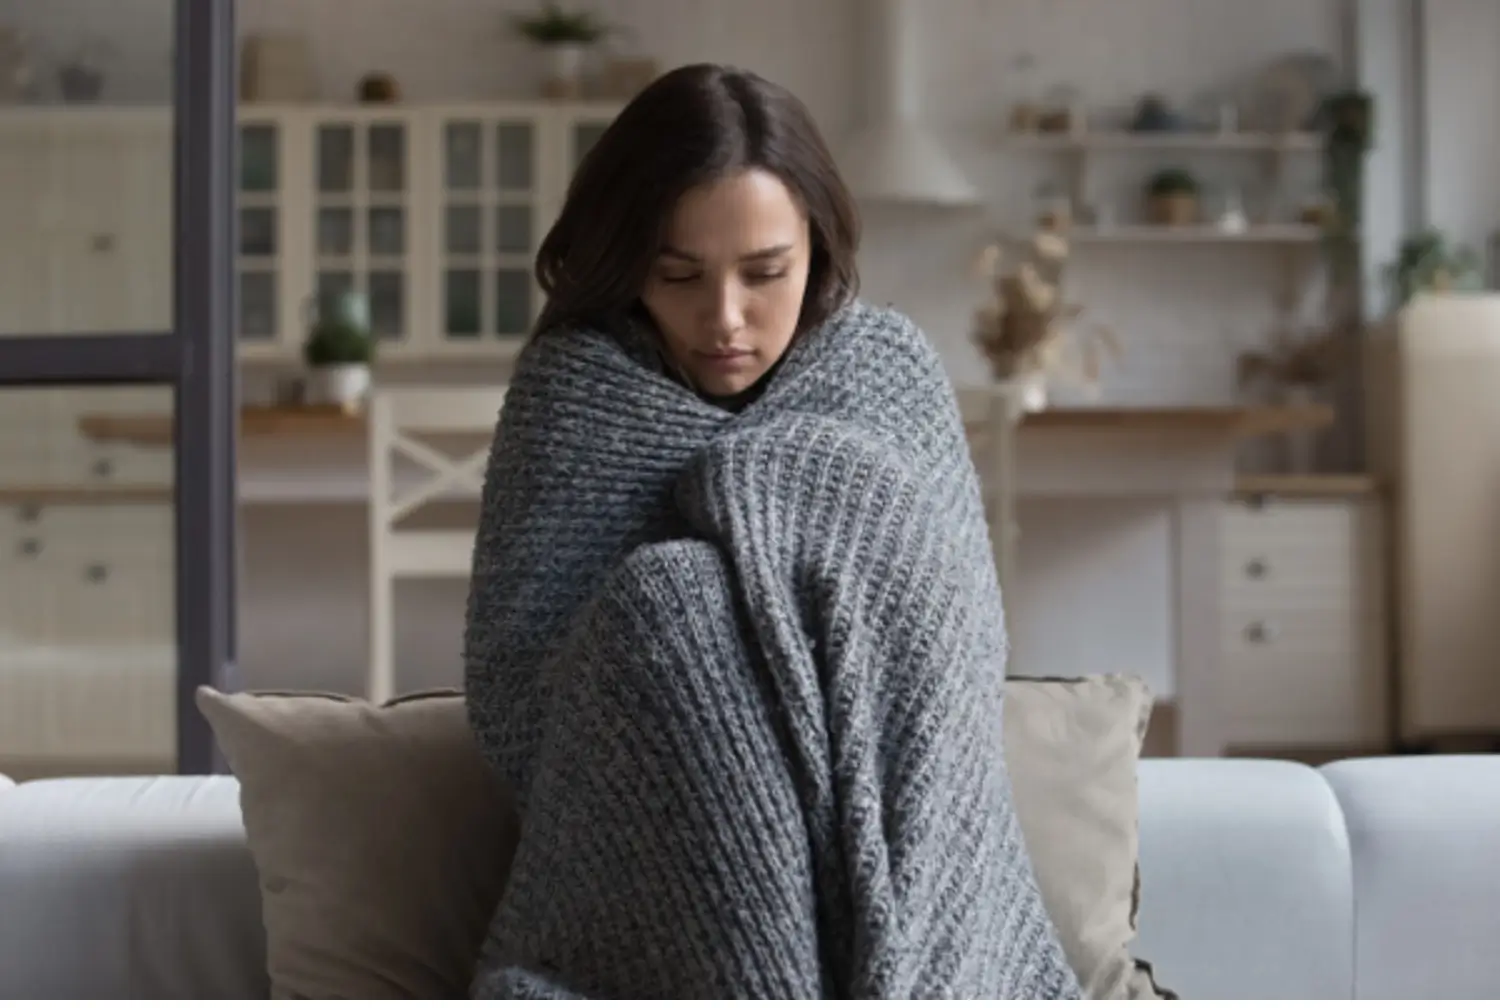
(744, 674)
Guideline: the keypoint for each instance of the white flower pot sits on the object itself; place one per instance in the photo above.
(565, 69)
(342, 385)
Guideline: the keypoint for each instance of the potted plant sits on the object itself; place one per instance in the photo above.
(338, 351)
(1172, 198)
(566, 37)
(1427, 262)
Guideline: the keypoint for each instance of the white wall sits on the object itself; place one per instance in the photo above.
(1460, 58)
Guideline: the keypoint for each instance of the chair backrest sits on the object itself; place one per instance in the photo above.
(399, 419)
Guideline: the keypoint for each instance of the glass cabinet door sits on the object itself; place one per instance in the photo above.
(581, 139)
(259, 185)
(489, 228)
(362, 197)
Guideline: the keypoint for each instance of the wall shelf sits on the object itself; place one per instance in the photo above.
(1265, 234)
(1121, 140)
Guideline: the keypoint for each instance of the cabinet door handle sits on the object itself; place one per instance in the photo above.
(30, 512)
(1257, 569)
(30, 547)
(97, 573)
(103, 243)
(1258, 632)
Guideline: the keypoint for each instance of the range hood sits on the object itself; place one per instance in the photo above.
(892, 158)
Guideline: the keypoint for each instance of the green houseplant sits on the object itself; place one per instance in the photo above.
(339, 350)
(565, 36)
(1172, 197)
(1428, 262)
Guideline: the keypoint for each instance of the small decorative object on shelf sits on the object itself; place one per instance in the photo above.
(1427, 262)
(1154, 115)
(379, 89)
(1232, 217)
(339, 350)
(1027, 330)
(1296, 370)
(1172, 198)
(566, 37)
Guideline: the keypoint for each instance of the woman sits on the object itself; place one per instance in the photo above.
(734, 637)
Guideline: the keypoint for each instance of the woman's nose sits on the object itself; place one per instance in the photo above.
(728, 310)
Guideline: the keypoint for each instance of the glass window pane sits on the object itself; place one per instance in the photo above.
(257, 304)
(513, 229)
(461, 308)
(257, 231)
(387, 303)
(514, 152)
(333, 285)
(335, 231)
(462, 155)
(387, 158)
(335, 158)
(585, 135)
(512, 302)
(258, 158)
(87, 575)
(461, 230)
(387, 231)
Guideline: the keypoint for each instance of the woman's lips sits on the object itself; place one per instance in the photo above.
(727, 360)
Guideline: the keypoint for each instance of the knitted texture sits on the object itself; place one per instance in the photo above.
(744, 673)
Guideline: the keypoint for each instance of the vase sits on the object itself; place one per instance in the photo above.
(342, 385)
(565, 70)
(1027, 391)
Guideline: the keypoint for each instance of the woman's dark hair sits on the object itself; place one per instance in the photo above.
(693, 125)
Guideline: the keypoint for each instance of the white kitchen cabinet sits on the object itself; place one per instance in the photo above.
(85, 221)
(433, 212)
(1304, 623)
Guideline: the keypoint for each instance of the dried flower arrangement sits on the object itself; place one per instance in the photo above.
(1026, 327)
(1305, 360)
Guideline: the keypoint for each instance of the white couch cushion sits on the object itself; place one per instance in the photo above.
(137, 888)
(1245, 880)
(1425, 836)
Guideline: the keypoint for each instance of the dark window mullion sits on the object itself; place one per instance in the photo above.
(206, 403)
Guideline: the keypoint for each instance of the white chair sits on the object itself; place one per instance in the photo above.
(398, 418)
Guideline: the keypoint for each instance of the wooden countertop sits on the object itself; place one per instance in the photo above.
(1306, 486)
(291, 422)
(1236, 421)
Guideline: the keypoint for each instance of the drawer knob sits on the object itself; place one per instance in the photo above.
(104, 467)
(1257, 569)
(30, 547)
(1257, 632)
(97, 573)
(30, 512)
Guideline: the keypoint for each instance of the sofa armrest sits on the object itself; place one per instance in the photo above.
(1245, 880)
(132, 887)
(1425, 836)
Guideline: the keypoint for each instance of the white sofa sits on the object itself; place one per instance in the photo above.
(1375, 878)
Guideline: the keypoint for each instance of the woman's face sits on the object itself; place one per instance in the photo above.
(726, 287)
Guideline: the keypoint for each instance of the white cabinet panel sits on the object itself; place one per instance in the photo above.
(1304, 623)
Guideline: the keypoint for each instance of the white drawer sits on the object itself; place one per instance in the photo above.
(1300, 554)
(90, 574)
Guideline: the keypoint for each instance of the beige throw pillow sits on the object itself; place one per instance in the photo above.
(1071, 746)
(381, 839)
(380, 836)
